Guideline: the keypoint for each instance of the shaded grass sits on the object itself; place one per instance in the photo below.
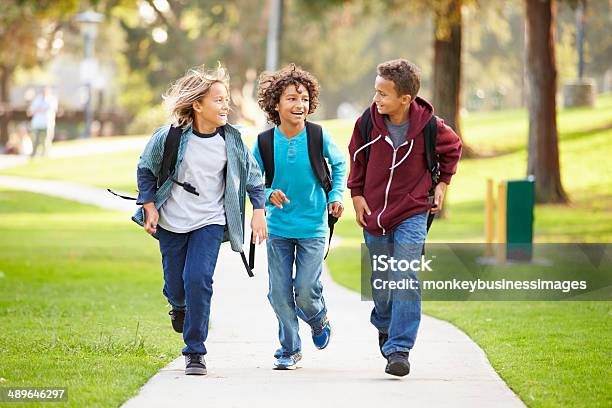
(80, 301)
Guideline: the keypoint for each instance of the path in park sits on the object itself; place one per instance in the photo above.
(448, 368)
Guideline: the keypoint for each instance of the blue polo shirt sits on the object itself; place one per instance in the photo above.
(305, 216)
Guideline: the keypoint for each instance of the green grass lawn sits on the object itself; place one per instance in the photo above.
(80, 301)
(550, 353)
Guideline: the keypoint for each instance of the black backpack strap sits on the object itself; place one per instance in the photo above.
(246, 264)
(320, 168)
(365, 128)
(170, 154)
(121, 196)
(265, 143)
(430, 134)
(331, 222)
(251, 253)
(314, 133)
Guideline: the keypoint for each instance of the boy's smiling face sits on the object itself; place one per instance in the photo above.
(293, 105)
(386, 98)
(212, 109)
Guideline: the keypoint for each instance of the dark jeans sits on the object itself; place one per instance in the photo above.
(189, 262)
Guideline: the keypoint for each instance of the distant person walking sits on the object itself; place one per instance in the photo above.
(43, 110)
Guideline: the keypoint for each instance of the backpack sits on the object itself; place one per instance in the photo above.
(430, 134)
(171, 147)
(314, 133)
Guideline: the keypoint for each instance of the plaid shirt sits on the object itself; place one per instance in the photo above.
(242, 176)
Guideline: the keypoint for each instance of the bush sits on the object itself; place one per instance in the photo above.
(147, 120)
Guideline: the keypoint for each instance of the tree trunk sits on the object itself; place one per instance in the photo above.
(5, 75)
(447, 66)
(543, 152)
(275, 27)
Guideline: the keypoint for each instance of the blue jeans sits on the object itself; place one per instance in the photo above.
(189, 262)
(301, 296)
(399, 313)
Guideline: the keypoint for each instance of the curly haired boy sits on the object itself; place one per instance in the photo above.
(297, 209)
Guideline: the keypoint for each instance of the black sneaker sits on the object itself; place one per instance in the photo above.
(382, 339)
(177, 317)
(397, 364)
(195, 364)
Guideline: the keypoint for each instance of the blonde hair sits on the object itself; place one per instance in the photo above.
(192, 87)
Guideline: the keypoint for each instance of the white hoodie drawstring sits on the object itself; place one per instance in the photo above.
(405, 156)
(364, 146)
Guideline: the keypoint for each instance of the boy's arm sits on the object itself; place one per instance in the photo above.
(338, 168)
(258, 159)
(149, 166)
(448, 149)
(147, 186)
(357, 175)
(255, 185)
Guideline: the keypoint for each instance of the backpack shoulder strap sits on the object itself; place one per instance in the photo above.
(365, 128)
(265, 143)
(171, 146)
(430, 134)
(314, 133)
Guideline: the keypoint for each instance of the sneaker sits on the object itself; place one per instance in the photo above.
(382, 339)
(177, 317)
(195, 364)
(321, 336)
(397, 364)
(287, 363)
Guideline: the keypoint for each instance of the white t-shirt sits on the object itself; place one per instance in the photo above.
(203, 167)
(43, 110)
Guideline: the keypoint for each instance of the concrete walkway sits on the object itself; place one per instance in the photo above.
(448, 368)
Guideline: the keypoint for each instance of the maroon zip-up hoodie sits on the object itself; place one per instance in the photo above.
(396, 184)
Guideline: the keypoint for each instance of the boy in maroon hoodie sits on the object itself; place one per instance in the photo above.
(391, 198)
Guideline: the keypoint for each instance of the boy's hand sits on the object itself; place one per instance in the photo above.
(335, 208)
(259, 226)
(439, 192)
(277, 198)
(361, 207)
(151, 218)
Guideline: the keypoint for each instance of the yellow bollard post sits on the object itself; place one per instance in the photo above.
(489, 218)
(501, 222)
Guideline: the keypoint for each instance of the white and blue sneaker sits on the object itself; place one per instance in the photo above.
(321, 335)
(287, 362)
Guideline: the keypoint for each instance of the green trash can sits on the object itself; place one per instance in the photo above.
(520, 200)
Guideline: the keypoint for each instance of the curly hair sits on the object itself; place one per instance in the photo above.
(405, 75)
(272, 85)
(192, 87)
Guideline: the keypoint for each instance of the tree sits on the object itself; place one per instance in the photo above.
(27, 30)
(194, 32)
(543, 152)
(447, 64)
